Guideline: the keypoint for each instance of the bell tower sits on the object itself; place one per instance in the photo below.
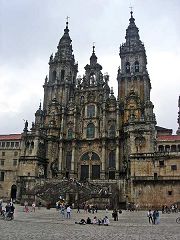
(62, 73)
(137, 117)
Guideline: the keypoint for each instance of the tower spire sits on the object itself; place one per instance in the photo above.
(93, 58)
(178, 120)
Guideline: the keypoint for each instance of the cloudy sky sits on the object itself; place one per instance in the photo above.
(30, 31)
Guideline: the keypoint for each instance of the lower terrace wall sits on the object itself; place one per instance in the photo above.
(150, 195)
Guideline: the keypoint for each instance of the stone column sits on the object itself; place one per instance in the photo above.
(60, 158)
(104, 121)
(62, 124)
(73, 160)
(103, 160)
(117, 159)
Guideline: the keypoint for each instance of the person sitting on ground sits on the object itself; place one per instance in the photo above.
(82, 222)
(100, 221)
(106, 221)
(88, 221)
(95, 221)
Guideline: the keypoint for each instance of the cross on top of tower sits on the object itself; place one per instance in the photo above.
(67, 21)
(131, 10)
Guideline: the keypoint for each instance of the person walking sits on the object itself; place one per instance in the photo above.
(150, 216)
(115, 215)
(78, 208)
(154, 217)
(68, 211)
(157, 217)
(33, 207)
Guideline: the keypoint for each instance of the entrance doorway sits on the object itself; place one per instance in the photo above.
(95, 171)
(13, 191)
(84, 172)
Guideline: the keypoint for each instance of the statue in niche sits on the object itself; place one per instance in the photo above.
(125, 166)
(41, 171)
(54, 168)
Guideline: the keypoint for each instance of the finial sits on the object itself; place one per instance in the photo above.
(131, 11)
(93, 47)
(67, 21)
(111, 91)
(40, 105)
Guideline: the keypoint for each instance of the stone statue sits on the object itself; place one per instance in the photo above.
(54, 168)
(26, 126)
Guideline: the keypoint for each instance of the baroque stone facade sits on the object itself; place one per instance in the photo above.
(84, 132)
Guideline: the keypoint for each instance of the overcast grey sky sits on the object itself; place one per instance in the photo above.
(30, 31)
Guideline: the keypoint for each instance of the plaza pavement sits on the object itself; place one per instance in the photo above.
(49, 225)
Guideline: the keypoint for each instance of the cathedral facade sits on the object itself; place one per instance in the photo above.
(83, 132)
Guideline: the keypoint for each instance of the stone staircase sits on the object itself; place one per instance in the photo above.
(71, 190)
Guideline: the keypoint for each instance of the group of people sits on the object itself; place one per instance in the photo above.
(88, 208)
(64, 210)
(9, 210)
(33, 209)
(153, 216)
(98, 221)
(172, 209)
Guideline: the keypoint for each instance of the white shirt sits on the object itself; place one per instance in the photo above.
(68, 209)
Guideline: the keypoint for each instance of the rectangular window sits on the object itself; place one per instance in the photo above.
(2, 162)
(3, 144)
(12, 144)
(161, 163)
(173, 167)
(3, 153)
(169, 193)
(2, 176)
(155, 176)
(7, 144)
(90, 111)
(16, 144)
(15, 162)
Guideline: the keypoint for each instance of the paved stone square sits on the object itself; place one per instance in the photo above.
(49, 224)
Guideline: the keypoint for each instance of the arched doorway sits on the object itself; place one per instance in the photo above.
(13, 192)
(90, 166)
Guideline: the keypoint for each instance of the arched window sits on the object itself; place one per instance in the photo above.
(82, 99)
(173, 148)
(70, 133)
(68, 160)
(161, 148)
(62, 75)
(32, 144)
(90, 156)
(90, 110)
(54, 75)
(90, 130)
(112, 159)
(136, 65)
(112, 132)
(167, 148)
(127, 67)
(85, 157)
